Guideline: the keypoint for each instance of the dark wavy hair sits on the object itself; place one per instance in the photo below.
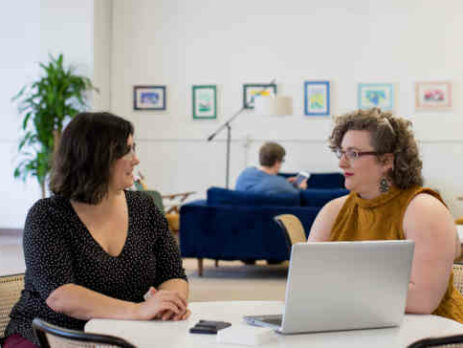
(389, 134)
(89, 145)
(270, 153)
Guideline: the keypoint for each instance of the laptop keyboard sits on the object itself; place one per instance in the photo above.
(274, 321)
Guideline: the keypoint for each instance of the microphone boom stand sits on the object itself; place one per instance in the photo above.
(212, 136)
(227, 125)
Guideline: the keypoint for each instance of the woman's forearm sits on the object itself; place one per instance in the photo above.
(178, 285)
(82, 303)
(422, 301)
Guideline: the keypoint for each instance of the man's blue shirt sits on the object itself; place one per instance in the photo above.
(255, 180)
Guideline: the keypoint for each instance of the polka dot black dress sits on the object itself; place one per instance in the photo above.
(59, 249)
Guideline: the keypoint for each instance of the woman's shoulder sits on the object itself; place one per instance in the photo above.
(425, 201)
(142, 201)
(331, 209)
(46, 217)
(336, 204)
(324, 222)
(48, 205)
(138, 197)
(423, 198)
(427, 215)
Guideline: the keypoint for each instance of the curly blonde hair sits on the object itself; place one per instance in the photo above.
(389, 134)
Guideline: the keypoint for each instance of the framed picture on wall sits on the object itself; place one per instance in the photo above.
(380, 95)
(250, 91)
(149, 97)
(433, 95)
(204, 102)
(317, 98)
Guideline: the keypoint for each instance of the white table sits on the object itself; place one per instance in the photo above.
(175, 334)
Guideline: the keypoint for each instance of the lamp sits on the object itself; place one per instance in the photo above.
(273, 106)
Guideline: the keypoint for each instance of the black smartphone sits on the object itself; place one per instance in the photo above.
(203, 330)
(209, 326)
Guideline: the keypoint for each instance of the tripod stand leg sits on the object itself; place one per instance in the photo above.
(227, 174)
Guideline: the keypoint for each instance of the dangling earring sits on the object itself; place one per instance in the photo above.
(383, 185)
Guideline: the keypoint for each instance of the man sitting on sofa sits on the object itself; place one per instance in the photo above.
(265, 179)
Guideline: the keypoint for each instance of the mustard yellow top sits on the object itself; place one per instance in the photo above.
(381, 218)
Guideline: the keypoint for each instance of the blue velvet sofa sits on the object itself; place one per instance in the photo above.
(237, 225)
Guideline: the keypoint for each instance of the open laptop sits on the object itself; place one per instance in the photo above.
(343, 286)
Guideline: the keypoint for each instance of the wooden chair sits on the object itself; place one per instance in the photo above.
(292, 227)
(459, 221)
(51, 336)
(458, 277)
(10, 291)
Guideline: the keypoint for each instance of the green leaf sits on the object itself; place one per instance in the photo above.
(45, 104)
(27, 116)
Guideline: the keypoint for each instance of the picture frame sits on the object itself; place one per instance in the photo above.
(251, 90)
(379, 95)
(204, 98)
(149, 97)
(317, 98)
(433, 95)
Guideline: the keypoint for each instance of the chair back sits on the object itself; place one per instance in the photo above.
(454, 341)
(10, 291)
(458, 277)
(157, 198)
(292, 227)
(51, 336)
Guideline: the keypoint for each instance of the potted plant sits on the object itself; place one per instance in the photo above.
(45, 105)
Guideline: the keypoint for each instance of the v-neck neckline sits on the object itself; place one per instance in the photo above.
(97, 245)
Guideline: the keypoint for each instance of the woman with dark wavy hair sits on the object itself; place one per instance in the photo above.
(382, 169)
(94, 249)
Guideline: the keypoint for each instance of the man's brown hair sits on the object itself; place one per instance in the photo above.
(270, 153)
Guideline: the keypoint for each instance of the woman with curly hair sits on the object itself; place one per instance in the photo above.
(379, 157)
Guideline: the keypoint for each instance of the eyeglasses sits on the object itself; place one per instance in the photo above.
(352, 155)
(131, 151)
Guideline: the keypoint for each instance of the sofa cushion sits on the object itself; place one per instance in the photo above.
(218, 195)
(325, 180)
(319, 197)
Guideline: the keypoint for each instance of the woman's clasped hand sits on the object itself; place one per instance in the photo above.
(162, 305)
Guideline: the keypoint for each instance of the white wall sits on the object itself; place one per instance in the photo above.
(29, 31)
(102, 43)
(179, 43)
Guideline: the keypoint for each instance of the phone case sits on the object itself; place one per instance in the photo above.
(203, 330)
(209, 326)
